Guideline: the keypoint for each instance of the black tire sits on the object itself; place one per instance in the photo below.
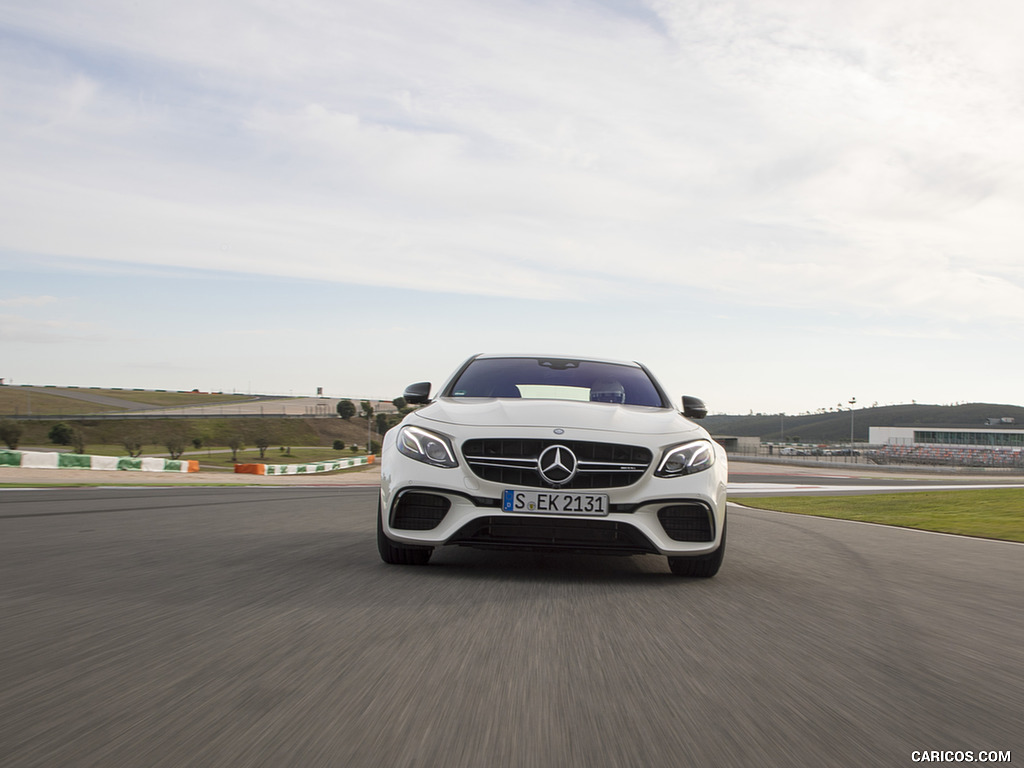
(396, 554)
(702, 566)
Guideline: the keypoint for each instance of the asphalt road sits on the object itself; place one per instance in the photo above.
(257, 627)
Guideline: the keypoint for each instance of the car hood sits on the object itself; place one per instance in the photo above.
(567, 414)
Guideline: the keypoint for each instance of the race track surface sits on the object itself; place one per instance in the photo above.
(258, 627)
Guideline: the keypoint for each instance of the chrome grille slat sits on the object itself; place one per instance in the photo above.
(513, 461)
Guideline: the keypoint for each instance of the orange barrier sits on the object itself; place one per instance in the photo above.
(193, 466)
(251, 469)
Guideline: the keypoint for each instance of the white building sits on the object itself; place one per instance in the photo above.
(973, 437)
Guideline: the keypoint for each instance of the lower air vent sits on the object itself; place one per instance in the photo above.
(419, 511)
(687, 522)
(558, 534)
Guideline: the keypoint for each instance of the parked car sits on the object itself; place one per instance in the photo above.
(553, 453)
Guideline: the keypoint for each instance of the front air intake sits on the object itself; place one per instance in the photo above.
(687, 522)
(419, 511)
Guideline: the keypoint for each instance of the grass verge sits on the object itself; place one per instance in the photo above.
(996, 513)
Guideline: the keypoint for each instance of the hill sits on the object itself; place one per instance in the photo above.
(834, 426)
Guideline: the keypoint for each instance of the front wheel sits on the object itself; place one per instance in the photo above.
(395, 554)
(702, 566)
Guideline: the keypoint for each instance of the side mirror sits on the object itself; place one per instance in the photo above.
(417, 393)
(693, 407)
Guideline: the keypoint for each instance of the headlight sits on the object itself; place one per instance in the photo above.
(686, 459)
(427, 447)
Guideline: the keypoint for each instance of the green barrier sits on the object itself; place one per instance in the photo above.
(128, 463)
(74, 461)
(10, 458)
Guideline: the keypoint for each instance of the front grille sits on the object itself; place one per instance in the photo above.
(687, 522)
(546, 534)
(419, 511)
(514, 462)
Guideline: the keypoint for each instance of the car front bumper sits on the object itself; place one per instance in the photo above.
(654, 515)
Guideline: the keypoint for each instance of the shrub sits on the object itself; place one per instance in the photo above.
(60, 434)
(339, 445)
(346, 409)
(10, 433)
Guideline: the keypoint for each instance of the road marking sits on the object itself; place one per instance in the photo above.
(793, 488)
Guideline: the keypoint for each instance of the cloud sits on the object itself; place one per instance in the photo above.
(28, 301)
(784, 152)
(20, 329)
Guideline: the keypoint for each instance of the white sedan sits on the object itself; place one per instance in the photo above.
(553, 454)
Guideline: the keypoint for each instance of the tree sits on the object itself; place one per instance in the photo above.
(132, 444)
(78, 441)
(60, 434)
(386, 421)
(175, 445)
(10, 433)
(235, 443)
(399, 403)
(367, 409)
(346, 409)
(262, 442)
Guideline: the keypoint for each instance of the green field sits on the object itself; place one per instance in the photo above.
(22, 401)
(15, 401)
(996, 513)
(170, 399)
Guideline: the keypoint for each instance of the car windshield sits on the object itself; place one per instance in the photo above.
(557, 378)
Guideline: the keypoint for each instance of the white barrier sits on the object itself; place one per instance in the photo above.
(54, 460)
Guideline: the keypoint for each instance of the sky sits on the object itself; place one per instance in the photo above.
(778, 206)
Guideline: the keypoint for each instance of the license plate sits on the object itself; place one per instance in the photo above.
(547, 502)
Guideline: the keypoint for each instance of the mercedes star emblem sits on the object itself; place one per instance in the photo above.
(557, 464)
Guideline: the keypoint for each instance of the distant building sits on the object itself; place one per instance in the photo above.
(741, 445)
(953, 446)
(974, 437)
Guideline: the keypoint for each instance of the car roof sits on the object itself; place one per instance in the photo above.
(583, 358)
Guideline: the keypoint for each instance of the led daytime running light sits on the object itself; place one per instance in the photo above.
(686, 459)
(421, 445)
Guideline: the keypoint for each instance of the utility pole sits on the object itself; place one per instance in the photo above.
(853, 402)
